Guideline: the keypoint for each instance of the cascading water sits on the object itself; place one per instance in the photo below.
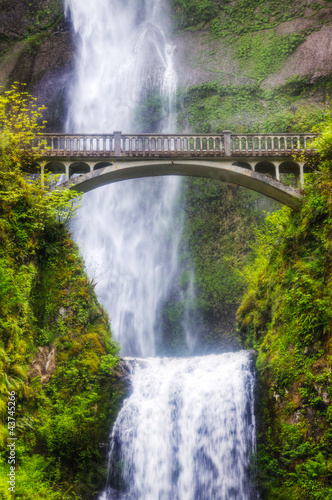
(188, 430)
(126, 230)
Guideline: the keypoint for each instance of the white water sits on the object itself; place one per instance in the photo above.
(126, 231)
(187, 432)
(188, 429)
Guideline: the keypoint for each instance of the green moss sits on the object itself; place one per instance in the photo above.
(149, 113)
(213, 107)
(286, 315)
(236, 17)
(261, 54)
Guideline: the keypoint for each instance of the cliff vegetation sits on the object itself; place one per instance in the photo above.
(58, 362)
(286, 316)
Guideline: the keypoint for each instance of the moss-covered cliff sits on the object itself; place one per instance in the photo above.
(36, 48)
(59, 368)
(286, 315)
(252, 65)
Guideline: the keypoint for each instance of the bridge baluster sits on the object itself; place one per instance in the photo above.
(282, 144)
(248, 144)
(307, 143)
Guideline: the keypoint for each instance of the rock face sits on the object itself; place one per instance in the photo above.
(36, 48)
(43, 364)
(199, 59)
(313, 58)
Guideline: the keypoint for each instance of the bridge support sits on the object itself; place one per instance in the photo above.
(227, 142)
(301, 165)
(277, 165)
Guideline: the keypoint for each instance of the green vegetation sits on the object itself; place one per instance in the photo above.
(149, 113)
(264, 53)
(212, 107)
(286, 316)
(35, 21)
(56, 352)
(227, 17)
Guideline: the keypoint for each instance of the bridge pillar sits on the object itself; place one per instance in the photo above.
(67, 171)
(42, 170)
(301, 164)
(227, 142)
(276, 165)
(117, 143)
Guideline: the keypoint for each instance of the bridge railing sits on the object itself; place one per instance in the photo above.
(272, 143)
(147, 145)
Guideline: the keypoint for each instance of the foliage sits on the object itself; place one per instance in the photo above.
(286, 315)
(19, 127)
(261, 54)
(148, 113)
(212, 107)
(236, 17)
(192, 12)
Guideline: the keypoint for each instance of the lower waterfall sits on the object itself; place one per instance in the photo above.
(186, 432)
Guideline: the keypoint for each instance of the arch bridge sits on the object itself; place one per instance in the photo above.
(267, 163)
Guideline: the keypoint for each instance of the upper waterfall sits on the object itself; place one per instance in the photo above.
(128, 232)
(123, 56)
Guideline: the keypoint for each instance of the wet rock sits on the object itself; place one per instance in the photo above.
(43, 364)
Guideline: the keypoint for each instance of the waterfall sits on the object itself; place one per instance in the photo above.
(126, 231)
(187, 432)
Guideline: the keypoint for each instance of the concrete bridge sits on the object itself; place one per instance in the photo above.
(263, 162)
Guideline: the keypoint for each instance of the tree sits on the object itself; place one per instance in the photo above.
(20, 126)
(21, 144)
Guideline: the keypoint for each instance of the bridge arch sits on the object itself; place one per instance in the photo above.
(78, 167)
(242, 164)
(267, 168)
(222, 169)
(102, 164)
(55, 167)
